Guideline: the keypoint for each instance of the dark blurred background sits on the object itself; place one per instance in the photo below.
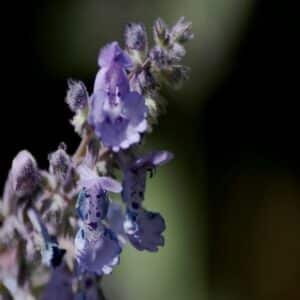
(231, 197)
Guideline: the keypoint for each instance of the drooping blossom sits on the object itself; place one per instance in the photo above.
(97, 248)
(135, 175)
(143, 228)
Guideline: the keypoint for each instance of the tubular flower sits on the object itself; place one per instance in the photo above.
(117, 115)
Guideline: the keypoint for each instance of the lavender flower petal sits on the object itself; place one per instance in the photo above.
(97, 252)
(144, 230)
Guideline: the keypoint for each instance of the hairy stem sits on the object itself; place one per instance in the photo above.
(82, 146)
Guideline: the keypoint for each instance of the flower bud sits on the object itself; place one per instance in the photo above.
(61, 166)
(136, 37)
(77, 95)
(25, 175)
(181, 32)
(143, 82)
(159, 58)
(59, 163)
(161, 32)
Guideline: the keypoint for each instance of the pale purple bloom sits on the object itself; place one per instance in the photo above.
(25, 175)
(144, 229)
(92, 203)
(97, 248)
(97, 251)
(135, 175)
(38, 205)
(117, 114)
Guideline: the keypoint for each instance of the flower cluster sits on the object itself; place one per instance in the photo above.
(66, 214)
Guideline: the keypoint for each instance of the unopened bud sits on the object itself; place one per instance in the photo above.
(77, 95)
(61, 166)
(25, 175)
(161, 32)
(136, 37)
(181, 32)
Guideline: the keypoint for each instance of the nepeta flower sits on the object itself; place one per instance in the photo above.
(117, 114)
(144, 229)
(25, 175)
(135, 175)
(97, 251)
(92, 203)
(124, 104)
(97, 248)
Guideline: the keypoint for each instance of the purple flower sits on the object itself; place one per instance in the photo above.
(92, 203)
(25, 175)
(135, 175)
(97, 251)
(144, 229)
(117, 114)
